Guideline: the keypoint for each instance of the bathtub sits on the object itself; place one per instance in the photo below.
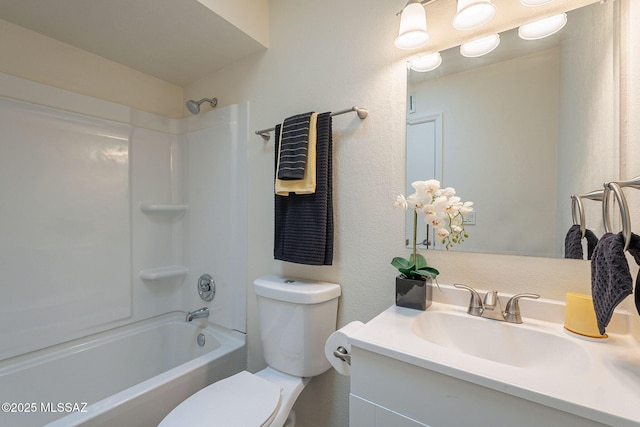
(129, 376)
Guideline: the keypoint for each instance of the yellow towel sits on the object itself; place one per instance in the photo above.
(306, 185)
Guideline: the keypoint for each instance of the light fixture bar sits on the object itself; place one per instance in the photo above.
(422, 2)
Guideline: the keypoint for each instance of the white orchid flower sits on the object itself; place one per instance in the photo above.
(442, 233)
(449, 192)
(419, 186)
(432, 186)
(414, 201)
(401, 202)
(435, 222)
(441, 208)
(453, 205)
(466, 208)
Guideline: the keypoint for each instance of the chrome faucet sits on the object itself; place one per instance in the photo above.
(197, 314)
(491, 308)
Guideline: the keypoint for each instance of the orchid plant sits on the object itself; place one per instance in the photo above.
(441, 209)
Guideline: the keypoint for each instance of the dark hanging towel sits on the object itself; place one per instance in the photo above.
(304, 222)
(573, 243)
(611, 280)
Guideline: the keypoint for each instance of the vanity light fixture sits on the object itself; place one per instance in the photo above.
(472, 14)
(413, 27)
(535, 2)
(425, 63)
(543, 27)
(479, 47)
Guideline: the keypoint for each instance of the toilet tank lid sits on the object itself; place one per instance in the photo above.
(298, 291)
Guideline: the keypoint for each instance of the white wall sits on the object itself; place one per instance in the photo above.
(331, 55)
(586, 134)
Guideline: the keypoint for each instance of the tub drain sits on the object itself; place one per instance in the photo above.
(201, 340)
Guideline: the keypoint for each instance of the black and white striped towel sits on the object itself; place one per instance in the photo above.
(293, 147)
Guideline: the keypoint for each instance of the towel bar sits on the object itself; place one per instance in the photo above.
(362, 114)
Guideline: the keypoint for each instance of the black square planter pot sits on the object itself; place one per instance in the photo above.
(413, 293)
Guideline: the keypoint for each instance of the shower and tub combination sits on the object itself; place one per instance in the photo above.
(110, 217)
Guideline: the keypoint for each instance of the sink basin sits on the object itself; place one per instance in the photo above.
(516, 345)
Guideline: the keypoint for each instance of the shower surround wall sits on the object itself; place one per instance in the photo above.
(74, 236)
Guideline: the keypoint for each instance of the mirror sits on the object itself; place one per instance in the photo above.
(518, 131)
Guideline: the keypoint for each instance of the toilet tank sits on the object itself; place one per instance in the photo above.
(296, 318)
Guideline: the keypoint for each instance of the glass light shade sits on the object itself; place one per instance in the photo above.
(473, 14)
(426, 63)
(480, 46)
(543, 27)
(535, 2)
(413, 28)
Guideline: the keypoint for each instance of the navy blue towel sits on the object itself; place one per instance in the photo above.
(573, 243)
(294, 146)
(611, 280)
(303, 223)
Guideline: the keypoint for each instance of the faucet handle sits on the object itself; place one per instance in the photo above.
(512, 310)
(475, 303)
(491, 299)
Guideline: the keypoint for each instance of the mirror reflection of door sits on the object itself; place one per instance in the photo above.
(424, 161)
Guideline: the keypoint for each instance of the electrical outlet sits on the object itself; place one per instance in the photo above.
(470, 219)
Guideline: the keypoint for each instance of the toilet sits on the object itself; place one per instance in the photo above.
(296, 317)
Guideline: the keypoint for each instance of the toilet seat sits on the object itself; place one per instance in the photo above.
(242, 400)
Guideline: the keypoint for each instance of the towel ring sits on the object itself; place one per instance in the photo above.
(624, 211)
(576, 205)
(578, 217)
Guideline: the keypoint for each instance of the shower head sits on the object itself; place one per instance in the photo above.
(194, 106)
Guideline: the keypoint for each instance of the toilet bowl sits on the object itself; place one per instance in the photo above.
(296, 318)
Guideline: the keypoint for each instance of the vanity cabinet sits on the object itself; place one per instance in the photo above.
(387, 391)
(367, 414)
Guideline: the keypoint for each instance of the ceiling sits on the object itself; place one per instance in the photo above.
(178, 41)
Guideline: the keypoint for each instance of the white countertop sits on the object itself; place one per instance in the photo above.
(605, 388)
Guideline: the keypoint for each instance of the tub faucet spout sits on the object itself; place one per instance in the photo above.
(197, 314)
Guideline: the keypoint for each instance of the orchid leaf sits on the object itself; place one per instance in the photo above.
(429, 272)
(402, 263)
(420, 262)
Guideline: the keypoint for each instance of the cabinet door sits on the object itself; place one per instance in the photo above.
(363, 413)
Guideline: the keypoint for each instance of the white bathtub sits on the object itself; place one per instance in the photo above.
(130, 376)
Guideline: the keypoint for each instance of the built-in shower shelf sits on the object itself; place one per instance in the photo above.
(162, 208)
(168, 272)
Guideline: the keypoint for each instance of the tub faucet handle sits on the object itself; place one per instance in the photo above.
(475, 303)
(512, 310)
